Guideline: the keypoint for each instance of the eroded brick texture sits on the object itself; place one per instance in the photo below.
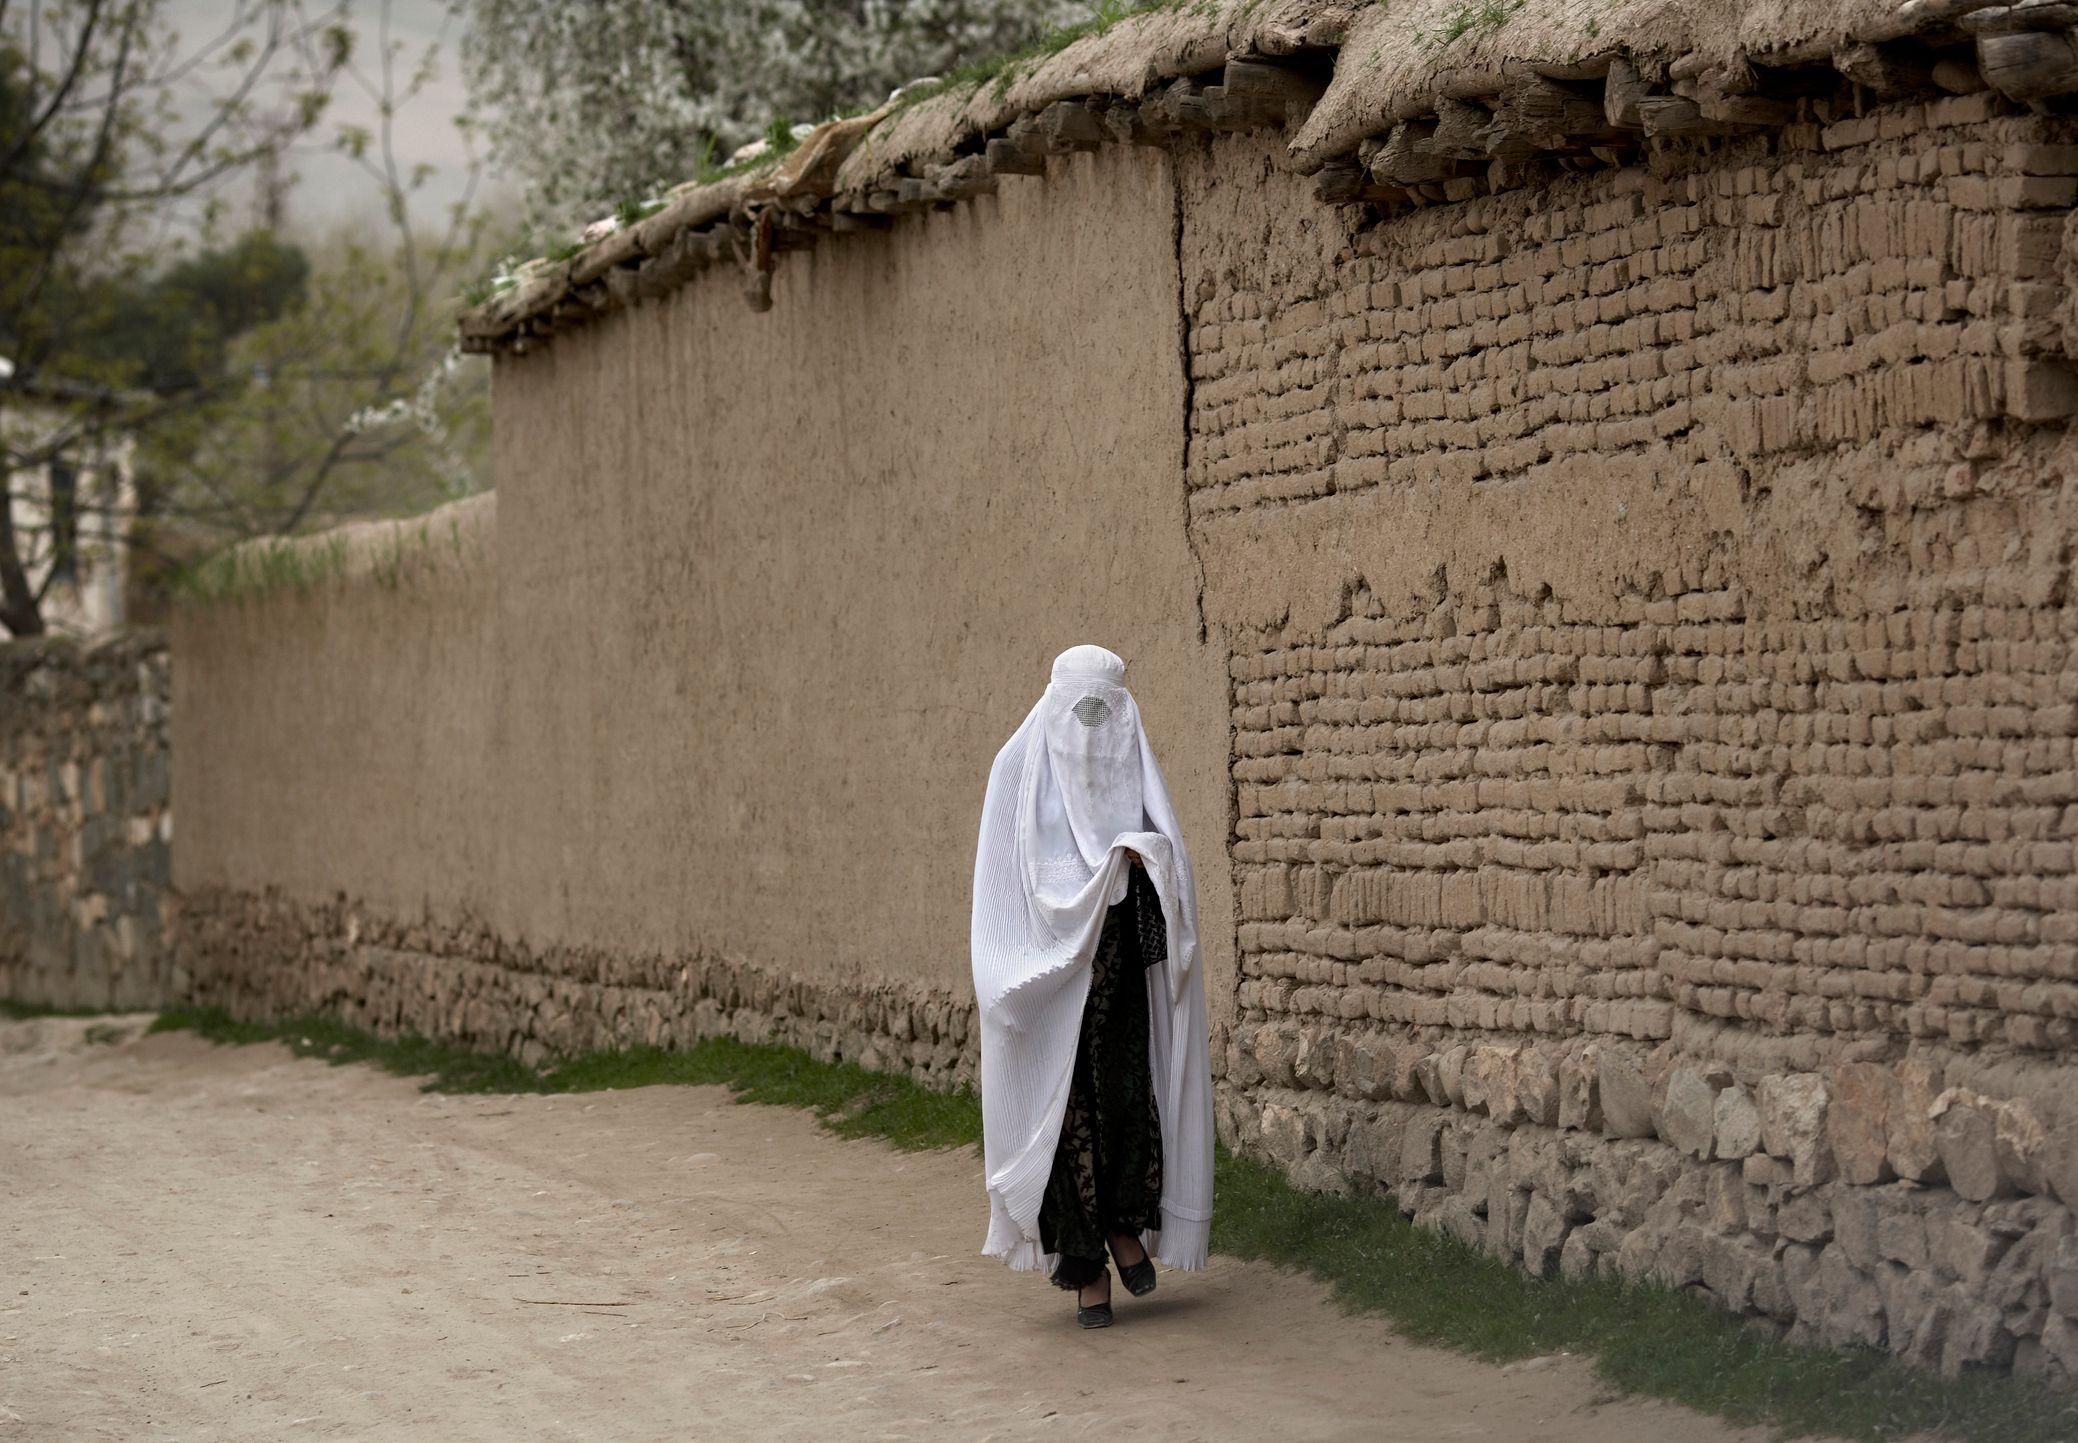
(1653, 765)
(1495, 821)
(1878, 276)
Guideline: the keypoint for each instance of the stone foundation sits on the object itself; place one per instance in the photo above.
(1864, 1205)
(86, 820)
(261, 957)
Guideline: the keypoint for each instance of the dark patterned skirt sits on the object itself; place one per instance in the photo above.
(1107, 1168)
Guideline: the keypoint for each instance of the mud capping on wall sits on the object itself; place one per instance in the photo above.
(1388, 107)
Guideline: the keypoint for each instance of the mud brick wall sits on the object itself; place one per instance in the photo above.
(86, 819)
(1653, 714)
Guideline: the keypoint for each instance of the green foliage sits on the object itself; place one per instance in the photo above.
(260, 568)
(302, 566)
(445, 1068)
(999, 70)
(172, 330)
(349, 404)
(779, 138)
(270, 387)
(104, 124)
(628, 212)
(476, 292)
(1110, 12)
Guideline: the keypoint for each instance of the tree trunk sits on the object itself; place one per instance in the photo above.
(19, 611)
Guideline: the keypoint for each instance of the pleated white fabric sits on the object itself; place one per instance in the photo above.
(1072, 792)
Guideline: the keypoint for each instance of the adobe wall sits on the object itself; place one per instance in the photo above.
(332, 721)
(773, 588)
(86, 817)
(1609, 640)
(702, 744)
(1651, 625)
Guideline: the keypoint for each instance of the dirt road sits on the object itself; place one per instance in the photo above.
(229, 1243)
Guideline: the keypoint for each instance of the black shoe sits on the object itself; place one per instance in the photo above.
(1094, 1315)
(1138, 1277)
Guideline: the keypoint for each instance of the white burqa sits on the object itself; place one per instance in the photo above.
(1070, 794)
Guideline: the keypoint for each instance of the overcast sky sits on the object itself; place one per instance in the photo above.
(332, 190)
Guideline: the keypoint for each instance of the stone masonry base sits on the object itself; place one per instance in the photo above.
(86, 822)
(261, 956)
(1862, 1204)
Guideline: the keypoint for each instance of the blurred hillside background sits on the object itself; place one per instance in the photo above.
(234, 236)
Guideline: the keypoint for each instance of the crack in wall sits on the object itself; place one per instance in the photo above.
(1183, 352)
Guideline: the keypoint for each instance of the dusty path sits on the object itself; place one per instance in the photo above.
(229, 1243)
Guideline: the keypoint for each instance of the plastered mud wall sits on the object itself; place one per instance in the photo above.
(332, 720)
(700, 745)
(86, 819)
(773, 588)
(1653, 756)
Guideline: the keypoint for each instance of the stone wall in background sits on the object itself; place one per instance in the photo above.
(86, 823)
(1654, 715)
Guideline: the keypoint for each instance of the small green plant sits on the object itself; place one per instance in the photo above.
(476, 292)
(708, 166)
(779, 138)
(628, 212)
(1467, 18)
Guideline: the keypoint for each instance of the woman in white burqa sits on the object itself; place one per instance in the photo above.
(1096, 1085)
